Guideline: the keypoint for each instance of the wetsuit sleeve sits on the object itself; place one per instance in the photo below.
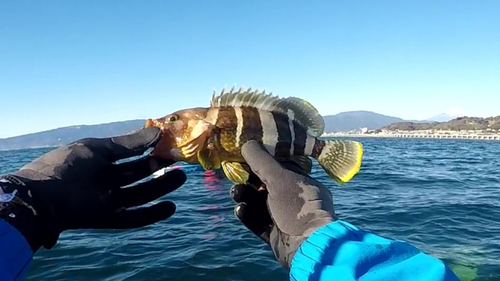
(341, 251)
(15, 253)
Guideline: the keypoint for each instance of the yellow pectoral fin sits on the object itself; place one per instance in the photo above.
(209, 159)
(235, 172)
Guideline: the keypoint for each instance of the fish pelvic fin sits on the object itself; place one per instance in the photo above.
(302, 111)
(209, 159)
(341, 159)
(235, 172)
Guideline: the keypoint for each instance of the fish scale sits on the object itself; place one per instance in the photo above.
(227, 123)
(252, 125)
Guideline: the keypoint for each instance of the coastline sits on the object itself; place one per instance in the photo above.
(420, 135)
(454, 135)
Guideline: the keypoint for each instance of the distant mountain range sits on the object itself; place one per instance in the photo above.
(442, 118)
(458, 124)
(342, 122)
(61, 136)
(445, 117)
(352, 120)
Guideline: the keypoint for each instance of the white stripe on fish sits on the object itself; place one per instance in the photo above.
(291, 117)
(269, 130)
(212, 115)
(239, 124)
(309, 145)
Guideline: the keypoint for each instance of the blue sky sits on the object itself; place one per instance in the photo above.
(86, 62)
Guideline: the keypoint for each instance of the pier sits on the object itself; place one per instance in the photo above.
(420, 135)
(424, 136)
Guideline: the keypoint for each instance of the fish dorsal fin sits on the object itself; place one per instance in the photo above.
(307, 115)
(244, 98)
(304, 113)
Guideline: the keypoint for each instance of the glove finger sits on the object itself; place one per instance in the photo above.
(254, 219)
(248, 194)
(294, 167)
(145, 192)
(256, 182)
(263, 164)
(252, 210)
(140, 217)
(126, 146)
(132, 171)
(136, 143)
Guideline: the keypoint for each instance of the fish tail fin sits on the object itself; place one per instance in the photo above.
(341, 159)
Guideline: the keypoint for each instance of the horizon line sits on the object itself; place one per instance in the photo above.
(138, 119)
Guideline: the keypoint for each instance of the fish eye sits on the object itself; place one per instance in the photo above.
(173, 118)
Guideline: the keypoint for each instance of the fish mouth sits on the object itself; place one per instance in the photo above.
(164, 148)
(149, 123)
(168, 148)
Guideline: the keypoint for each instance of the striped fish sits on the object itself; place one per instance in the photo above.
(288, 128)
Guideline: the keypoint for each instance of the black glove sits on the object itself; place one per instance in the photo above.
(78, 186)
(292, 207)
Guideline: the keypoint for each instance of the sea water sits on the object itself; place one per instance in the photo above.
(443, 196)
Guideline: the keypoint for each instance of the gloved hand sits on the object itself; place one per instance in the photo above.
(78, 186)
(293, 206)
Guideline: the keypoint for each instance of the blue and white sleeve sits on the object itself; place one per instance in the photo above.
(341, 251)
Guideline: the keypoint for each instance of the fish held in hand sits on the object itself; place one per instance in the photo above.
(289, 129)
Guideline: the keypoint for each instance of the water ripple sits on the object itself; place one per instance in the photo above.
(443, 196)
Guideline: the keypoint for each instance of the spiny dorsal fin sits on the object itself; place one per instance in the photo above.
(242, 98)
(304, 113)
